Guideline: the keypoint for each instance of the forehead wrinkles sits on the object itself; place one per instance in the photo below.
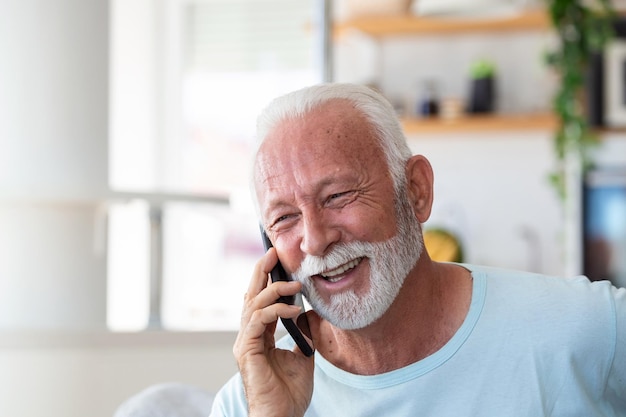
(287, 183)
(331, 133)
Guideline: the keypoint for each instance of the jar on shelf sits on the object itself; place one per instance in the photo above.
(428, 102)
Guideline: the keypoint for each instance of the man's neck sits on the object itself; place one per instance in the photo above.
(430, 308)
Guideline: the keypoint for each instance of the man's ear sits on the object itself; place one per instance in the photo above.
(420, 179)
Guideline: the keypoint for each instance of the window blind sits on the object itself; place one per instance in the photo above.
(247, 35)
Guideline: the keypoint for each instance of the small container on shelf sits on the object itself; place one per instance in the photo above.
(428, 103)
(451, 108)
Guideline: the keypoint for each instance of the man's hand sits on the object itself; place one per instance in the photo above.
(277, 382)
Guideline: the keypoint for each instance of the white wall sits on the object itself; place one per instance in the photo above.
(53, 78)
(53, 136)
(90, 374)
(52, 275)
(492, 189)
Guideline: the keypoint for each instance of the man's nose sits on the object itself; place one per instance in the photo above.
(318, 235)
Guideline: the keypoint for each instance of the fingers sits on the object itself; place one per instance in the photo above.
(260, 294)
(256, 334)
(262, 318)
(263, 309)
(260, 310)
(261, 269)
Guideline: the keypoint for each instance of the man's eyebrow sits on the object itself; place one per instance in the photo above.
(278, 202)
(324, 182)
(342, 178)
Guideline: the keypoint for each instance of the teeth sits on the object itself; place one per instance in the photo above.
(329, 275)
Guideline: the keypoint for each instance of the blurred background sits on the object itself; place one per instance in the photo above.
(127, 232)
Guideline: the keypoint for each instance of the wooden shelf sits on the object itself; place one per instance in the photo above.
(530, 20)
(411, 24)
(482, 123)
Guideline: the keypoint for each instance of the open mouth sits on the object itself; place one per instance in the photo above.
(336, 274)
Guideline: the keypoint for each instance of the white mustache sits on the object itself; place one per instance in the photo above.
(340, 254)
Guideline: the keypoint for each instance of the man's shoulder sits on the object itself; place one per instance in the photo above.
(545, 293)
(502, 272)
(533, 280)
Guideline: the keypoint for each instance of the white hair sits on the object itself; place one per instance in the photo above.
(376, 109)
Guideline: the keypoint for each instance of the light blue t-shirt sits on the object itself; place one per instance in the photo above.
(530, 346)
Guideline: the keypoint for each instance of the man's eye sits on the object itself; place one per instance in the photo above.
(340, 198)
(282, 219)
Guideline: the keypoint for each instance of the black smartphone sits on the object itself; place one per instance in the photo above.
(278, 273)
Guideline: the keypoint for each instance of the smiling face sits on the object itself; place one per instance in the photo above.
(328, 202)
(390, 263)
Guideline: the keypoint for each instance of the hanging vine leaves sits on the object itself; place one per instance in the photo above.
(582, 28)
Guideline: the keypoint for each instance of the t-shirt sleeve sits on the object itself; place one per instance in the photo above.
(230, 400)
(616, 383)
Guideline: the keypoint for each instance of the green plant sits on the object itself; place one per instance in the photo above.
(482, 68)
(582, 28)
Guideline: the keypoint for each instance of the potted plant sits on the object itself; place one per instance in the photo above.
(482, 87)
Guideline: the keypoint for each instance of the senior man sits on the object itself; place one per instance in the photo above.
(342, 199)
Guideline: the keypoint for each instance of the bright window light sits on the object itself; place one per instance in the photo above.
(128, 266)
(188, 79)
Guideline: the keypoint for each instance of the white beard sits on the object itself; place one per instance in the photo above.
(390, 263)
